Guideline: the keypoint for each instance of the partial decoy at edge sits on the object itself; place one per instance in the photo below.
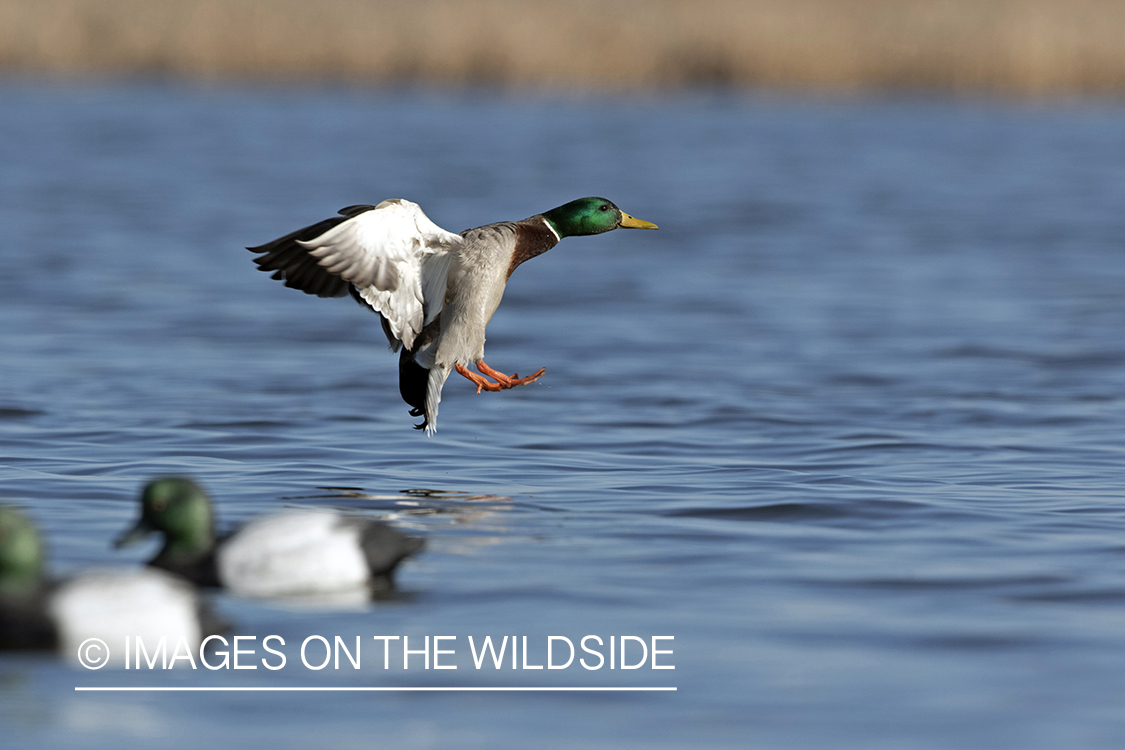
(292, 553)
(38, 613)
(434, 291)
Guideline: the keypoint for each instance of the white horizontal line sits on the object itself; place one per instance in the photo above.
(375, 689)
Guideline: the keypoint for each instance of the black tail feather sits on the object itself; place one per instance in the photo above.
(412, 380)
(385, 547)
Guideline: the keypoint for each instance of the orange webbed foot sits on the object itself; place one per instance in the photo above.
(509, 381)
(502, 381)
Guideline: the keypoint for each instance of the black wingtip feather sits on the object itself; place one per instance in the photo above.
(355, 210)
(299, 270)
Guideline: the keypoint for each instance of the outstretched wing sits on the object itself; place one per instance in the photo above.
(396, 258)
(292, 263)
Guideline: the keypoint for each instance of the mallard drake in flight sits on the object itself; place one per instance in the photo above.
(434, 291)
(286, 554)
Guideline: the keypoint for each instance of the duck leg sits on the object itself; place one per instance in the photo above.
(478, 380)
(503, 381)
(509, 381)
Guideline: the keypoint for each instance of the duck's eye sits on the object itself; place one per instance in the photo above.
(603, 207)
(159, 504)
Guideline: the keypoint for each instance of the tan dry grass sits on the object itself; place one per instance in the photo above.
(1023, 47)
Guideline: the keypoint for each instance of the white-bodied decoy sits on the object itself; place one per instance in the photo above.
(106, 605)
(287, 554)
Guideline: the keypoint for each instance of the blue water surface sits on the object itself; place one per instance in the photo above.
(849, 426)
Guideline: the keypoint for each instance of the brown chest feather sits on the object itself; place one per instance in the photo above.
(533, 237)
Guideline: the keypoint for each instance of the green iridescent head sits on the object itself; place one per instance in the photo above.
(181, 510)
(591, 216)
(21, 551)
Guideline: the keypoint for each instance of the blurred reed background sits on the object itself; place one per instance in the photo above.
(1009, 47)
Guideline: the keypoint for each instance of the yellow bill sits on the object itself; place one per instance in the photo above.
(631, 222)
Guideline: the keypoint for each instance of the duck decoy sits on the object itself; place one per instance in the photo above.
(434, 291)
(39, 613)
(288, 554)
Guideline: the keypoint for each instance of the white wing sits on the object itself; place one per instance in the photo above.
(396, 257)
